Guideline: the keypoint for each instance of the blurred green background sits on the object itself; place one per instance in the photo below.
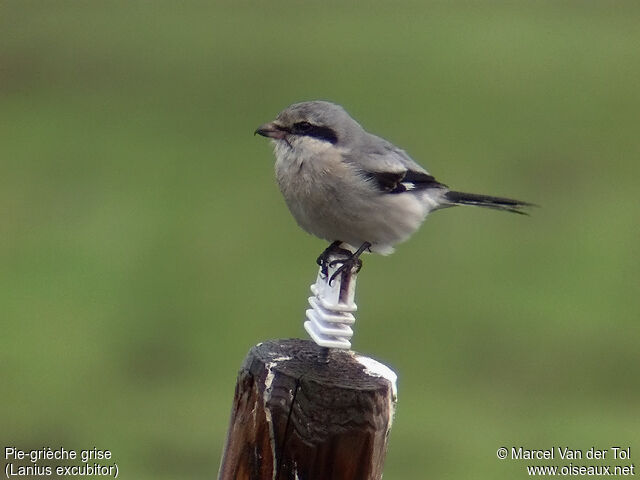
(144, 246)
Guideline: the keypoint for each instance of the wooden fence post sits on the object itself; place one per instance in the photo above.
(302, 412)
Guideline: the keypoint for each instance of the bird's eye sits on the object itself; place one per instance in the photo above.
(302, 127)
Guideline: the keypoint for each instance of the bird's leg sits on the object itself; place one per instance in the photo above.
(323, 259)
(350, 263)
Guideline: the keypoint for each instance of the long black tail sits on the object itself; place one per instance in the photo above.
(499, 203)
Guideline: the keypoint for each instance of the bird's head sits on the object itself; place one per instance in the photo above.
(306, 122)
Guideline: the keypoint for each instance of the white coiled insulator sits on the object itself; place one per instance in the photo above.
(330, 317)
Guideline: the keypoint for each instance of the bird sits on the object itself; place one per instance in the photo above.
(353, 188)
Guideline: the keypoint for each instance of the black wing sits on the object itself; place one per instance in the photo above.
(390, 169)
(398, 182)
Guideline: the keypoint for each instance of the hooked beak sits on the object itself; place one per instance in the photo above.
(271, 130)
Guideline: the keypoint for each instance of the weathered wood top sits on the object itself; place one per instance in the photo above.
(300, 413)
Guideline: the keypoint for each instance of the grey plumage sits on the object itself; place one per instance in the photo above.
(342, 183)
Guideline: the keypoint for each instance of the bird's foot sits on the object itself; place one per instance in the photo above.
(333, 249)
(350, 264)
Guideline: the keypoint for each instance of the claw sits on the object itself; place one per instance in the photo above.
(347, 265)
(334, 248)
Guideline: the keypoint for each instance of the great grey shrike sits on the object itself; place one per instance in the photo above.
(352, 188)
